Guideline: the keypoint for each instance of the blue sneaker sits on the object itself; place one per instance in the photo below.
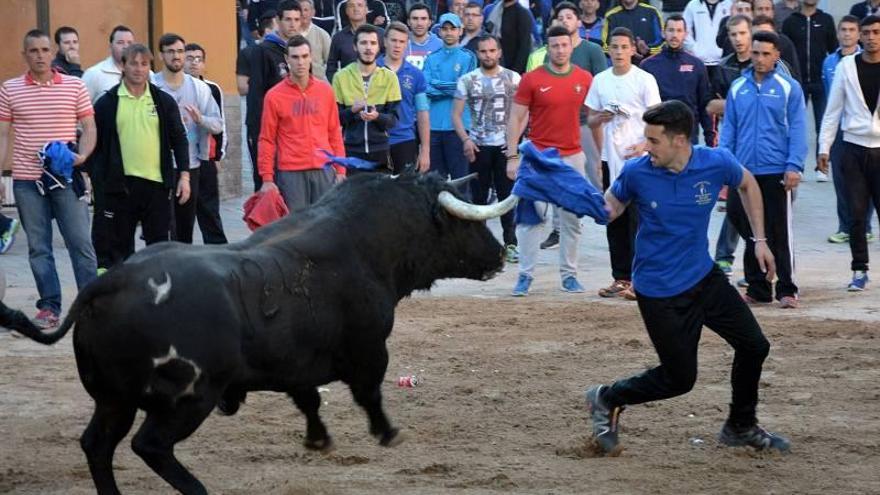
(859, 282)
(521, 289)
(7, 237)
(571, 284)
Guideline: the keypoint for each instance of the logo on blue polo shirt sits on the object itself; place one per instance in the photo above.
(703, 196)
(407, 82)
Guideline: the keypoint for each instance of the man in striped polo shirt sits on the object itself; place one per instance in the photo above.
(45, 106)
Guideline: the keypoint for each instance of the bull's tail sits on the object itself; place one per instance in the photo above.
(16, 320)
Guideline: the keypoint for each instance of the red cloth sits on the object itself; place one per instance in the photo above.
(264, 208)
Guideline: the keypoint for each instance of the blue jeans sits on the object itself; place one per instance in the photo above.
(844, 217)
(72, 215)
(447, 155)
(728, 238)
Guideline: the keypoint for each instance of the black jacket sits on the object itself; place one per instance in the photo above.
(104, 166)
(863, 9)
(266, 67)
(63, 66)
(516, 36)
(787, 51)
(814, 38)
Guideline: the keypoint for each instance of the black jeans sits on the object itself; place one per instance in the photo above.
(145, 202)
(185, 214)
(861, 172)
(253, 138)
(5, 222)
(777, 224)
(382, 157)
(621, 235)
(675, 324)
(491, 169)
(208, 205)
(405, 154)
(816, 91)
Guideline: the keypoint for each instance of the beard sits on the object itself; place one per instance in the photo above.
(367, 61)
(489, 64)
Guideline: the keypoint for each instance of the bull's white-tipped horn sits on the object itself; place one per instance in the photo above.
(462, 180)
(477, 213)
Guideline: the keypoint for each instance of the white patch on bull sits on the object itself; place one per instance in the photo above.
(172, 354)
(162, 291)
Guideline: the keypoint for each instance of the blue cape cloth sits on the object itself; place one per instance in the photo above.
(58, 158)
(349, 162)
(543, 176)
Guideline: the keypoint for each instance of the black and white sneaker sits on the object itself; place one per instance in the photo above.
(753, 436)
(604, 420)
(552, 241)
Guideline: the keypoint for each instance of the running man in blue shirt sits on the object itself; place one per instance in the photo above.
(679, 288)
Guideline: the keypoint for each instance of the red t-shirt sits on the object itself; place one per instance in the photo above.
(554, 102)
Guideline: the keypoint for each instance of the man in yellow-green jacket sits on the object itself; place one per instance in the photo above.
(368, 96)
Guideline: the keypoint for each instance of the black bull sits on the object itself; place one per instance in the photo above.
(177, 330)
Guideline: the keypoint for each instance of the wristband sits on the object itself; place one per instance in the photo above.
(512, 157)
(758, 239)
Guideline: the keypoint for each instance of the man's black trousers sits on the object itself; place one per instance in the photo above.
(674, 325)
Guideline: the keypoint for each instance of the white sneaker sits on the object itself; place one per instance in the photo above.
(821, 176)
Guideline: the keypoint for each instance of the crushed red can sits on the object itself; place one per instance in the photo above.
(408, 381)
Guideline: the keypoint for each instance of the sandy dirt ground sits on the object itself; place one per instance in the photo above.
(499, 410)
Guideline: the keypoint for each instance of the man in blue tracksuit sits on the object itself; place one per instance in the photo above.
(765, 127)
(682, 76)
(442, 70)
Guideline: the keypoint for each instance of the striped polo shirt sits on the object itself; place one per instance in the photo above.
(41, 113)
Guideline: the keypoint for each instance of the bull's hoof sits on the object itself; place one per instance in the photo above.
(391, 438)
(227, 407)
(324, 445)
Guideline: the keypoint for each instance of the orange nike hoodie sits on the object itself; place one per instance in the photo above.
(296, 124)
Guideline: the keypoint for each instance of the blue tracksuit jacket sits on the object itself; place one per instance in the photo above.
(765, 124)
(442, 70)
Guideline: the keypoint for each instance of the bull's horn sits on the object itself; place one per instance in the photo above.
(462, 180)
(477, 213)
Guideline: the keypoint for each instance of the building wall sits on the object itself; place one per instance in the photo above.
(17, 17)
(97, 22)
(210, 23)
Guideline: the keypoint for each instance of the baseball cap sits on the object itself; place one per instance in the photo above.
(451, 19)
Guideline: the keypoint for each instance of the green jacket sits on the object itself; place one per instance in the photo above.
(383, 92)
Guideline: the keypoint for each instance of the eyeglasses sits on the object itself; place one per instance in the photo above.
(195, 59)
(174, 52)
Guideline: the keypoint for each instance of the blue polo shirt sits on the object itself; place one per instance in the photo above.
(413, 99)
(672, 246)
